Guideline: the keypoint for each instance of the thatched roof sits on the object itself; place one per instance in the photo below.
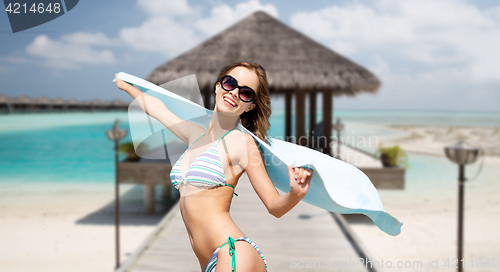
(291, 59)
(4, 99)
(42, 100)
(23, 99)
(97, 102)
(118, 102)
(72, 101)
(57, 101)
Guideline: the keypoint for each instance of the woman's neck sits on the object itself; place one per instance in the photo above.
(222, 122)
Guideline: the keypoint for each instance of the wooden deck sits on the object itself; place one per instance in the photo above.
(149, 175)
(382, 177)
(305, 234)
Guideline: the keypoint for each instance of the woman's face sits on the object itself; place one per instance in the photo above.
(223, 98)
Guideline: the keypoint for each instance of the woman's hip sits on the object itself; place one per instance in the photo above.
(240, 252)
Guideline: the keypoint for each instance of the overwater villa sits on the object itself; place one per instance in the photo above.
(42, 104)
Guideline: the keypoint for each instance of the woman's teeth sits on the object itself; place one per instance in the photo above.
(230, 102)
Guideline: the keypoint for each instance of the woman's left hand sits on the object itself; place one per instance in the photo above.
(300, 179)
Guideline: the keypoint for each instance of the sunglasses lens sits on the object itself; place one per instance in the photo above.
(228, 83)
(246, 94)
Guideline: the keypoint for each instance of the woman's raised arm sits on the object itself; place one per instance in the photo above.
(155, 108)
(277, 205)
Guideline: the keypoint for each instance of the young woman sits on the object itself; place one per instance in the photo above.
(208, 172)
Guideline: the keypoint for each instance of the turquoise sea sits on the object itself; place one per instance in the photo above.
(65, 148)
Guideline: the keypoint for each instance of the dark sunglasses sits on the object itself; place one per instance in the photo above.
(245, 93)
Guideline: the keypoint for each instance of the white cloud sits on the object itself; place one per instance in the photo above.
(223, 16)
(428, 54)
(160, 34)
(165, 8)
(174, 26)
(71, 50)
(82, 38)
(427, 32)
(171, 27)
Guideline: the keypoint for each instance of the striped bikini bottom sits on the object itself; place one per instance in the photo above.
(212, 263)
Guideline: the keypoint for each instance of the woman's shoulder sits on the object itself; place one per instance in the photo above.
(235, 136)
(239, 142)
(240, 135)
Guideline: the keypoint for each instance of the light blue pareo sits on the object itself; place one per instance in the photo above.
(336, 186)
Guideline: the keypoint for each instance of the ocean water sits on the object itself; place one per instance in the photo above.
(427, 118)
(62, 148)
(66, 148)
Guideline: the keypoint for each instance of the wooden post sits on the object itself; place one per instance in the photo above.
(327, 120)
(312, 118)
(300, 105)
(167, 192)
(207, 99)
(288, 115)
(117, 207)
(149, 197)
(461, 180)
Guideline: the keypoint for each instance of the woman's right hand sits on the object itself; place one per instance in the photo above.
(300, 179)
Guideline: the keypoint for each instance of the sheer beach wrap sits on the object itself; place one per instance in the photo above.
(336, 186)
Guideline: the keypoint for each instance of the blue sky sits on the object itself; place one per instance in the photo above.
(430, 55)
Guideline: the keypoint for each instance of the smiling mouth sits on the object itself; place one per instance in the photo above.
(228, 101)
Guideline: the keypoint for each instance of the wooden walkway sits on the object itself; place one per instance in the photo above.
(307, 235)
(356, 157)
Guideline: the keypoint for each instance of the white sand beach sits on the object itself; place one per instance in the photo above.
(71, 227)
(429, 231)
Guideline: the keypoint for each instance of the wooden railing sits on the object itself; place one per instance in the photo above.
(149, 175)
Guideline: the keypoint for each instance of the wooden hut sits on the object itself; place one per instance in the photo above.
(5, 103)
(73, 104)
(43, 103)
(23, 103)
(96, 104)
(295, 64)
(118, 104)
(58, 103)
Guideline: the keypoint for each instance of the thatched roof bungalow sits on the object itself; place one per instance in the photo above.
(4, 99)
(42, 100)
(25, 103)
(295, 65)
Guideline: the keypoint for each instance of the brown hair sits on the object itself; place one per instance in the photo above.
(257, 119)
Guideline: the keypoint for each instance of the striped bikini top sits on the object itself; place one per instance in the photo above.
(204, 171)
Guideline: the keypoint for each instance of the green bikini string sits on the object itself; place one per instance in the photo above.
(230, 241)
(233, 189)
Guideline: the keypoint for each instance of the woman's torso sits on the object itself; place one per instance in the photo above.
(205, 198)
